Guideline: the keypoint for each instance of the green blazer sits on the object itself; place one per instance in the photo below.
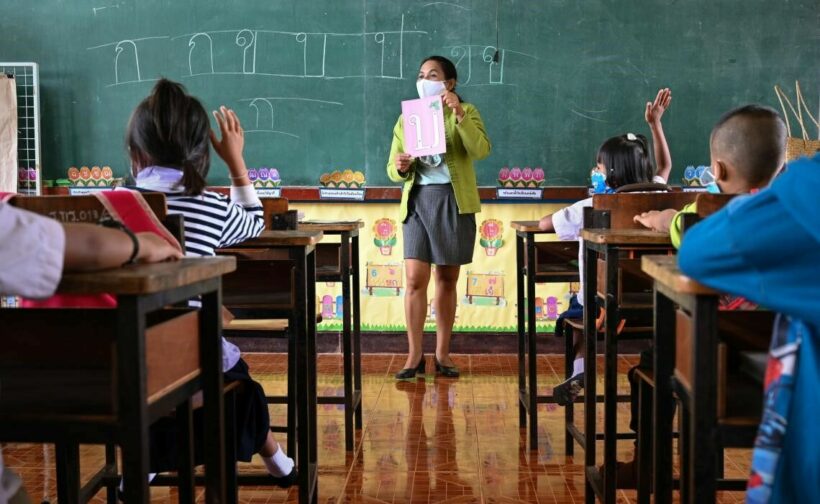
(467, 141)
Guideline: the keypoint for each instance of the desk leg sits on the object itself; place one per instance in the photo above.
(132, 398)
(519, 296)
(68, 472)
(590, 388)
(357, 332)
(531, 350)
(703, 401)
(663, 402)
(347, 343)
(210, 348)
(610, 375)
(304, 324)
(185, 450)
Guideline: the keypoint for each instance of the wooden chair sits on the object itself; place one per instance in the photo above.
(260, 294)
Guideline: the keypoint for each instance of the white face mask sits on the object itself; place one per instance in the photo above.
(428, 88)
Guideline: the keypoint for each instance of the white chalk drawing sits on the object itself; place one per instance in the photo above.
(258, 112)
(489, 57)
(448, 4)
(462, 52)
(263, 111)
(126, 46)
(119, 49)
(303, 39)
(246, 39)
(192, 44)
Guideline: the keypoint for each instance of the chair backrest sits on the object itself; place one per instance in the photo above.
(277, 215)
(621, 208)
(707, 204)
(710, 203)
(88, 209)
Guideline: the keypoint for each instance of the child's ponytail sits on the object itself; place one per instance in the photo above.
(170, 128)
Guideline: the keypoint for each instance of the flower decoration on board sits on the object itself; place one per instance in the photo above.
(264, 177)
(521, 178)
(91, 177)
(384, 235)
(491, 230)
(347, 179)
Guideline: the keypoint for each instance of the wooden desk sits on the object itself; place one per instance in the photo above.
(343, 266)
(300, 246)
(606, 243)
(562, 270)
(699, 478)
(59, 365)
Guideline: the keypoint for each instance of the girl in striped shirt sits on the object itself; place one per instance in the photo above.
(168, 141)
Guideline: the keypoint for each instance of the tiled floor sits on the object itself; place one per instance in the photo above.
(433, 440)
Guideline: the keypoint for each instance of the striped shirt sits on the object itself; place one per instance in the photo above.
(213, 221)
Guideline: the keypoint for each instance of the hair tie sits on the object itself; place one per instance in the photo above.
(631, 137)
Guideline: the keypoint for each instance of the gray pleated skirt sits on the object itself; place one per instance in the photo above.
(434, 231)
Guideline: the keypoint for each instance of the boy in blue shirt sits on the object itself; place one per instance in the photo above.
(765, 247)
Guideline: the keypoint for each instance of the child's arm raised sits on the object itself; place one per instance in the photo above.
(229, 148)
(654, 113)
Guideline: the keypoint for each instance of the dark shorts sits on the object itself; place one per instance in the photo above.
(434, 231)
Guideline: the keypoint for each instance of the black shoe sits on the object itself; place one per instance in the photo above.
(286, 481)
(446, 371)
(565, 393)
(408, 373)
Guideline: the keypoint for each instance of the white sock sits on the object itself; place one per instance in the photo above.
(279, 464)
(578, 366)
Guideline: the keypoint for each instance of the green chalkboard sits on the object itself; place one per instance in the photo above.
(318, 83)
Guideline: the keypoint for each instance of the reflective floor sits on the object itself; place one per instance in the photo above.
(428, 440)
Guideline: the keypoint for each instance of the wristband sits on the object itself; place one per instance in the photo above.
(115, 224)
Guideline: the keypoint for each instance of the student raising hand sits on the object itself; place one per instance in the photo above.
(655, 109)
(230, 146)
(654, 113)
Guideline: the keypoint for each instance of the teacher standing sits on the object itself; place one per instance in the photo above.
(438, 206)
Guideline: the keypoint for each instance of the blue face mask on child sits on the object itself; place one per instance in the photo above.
(707, 180)
(599, 183)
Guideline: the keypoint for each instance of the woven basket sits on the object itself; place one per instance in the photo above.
(798, 146)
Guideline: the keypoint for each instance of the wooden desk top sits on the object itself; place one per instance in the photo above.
(626, 237)
(331, 226)
(146, 278)
(528, 226)
(285, 238)
(664, 269)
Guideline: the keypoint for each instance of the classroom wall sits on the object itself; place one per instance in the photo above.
(488, 306)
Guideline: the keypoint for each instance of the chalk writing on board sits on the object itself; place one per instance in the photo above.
(464, 54)
(264, 110)
(264, 52)
(192, 45)
(126, 60)
(246, 39)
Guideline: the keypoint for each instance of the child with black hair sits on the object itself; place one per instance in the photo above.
(622, 160)
(168, 139)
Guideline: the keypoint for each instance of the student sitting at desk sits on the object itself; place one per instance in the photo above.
(169, 138)
(622, 160)
(764, 247)
(748, 148)
(34, 252)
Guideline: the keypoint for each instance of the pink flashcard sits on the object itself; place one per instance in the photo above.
(424, 126)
